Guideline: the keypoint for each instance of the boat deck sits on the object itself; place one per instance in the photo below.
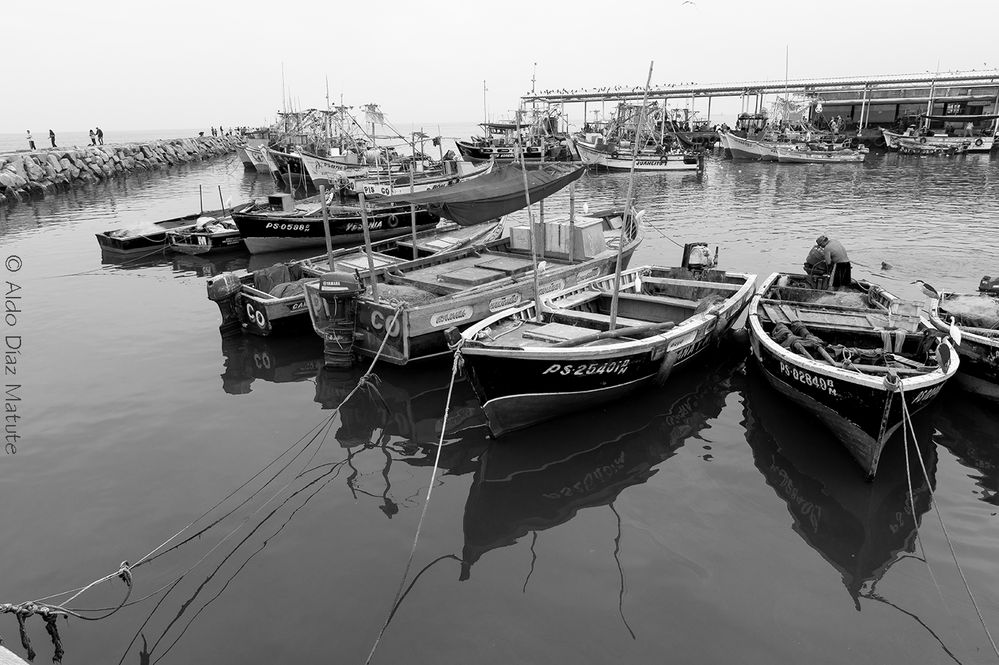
(464, 273)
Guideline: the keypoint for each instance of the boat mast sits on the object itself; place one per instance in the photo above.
(485, 113)
(627, 206)
(530, 224)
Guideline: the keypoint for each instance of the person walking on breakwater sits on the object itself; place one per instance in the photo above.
(837, 261)
(100, 136)
(93, 138)
(31, 141)
(52, 138)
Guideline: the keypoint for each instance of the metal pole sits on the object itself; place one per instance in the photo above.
(326, 229)
(530, 226)
(412, 208)
(221, 200)
(367, 247)
(541, 223)
(201, 199)
(572, 221)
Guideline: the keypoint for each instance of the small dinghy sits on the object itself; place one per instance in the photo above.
(844, 355)
(530, 364)
(210, 235)
(976, 316)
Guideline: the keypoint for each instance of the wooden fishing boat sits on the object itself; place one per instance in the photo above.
(130, 241)
(844, 355)
(449, 172)
(976, 315)
(328, 171)
(283, 224)
(806, 155)
(272, 299)
(462, 287)
(617, 157)
(209, 235)
(913, 146)
(501, 141)
(896, 141)
(531, 364)
(743, 148)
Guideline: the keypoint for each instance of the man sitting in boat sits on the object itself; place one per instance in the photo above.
(837, 261)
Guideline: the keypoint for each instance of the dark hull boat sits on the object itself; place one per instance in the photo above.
(849, 357)
(208, 236)
(977, 317)
(280, 228)
(126, 241)
(527, 366)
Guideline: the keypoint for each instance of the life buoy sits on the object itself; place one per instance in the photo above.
(922, 139)
(978, 142)
(392, 221)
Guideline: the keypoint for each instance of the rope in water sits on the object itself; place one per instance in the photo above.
(455, 368)
(50, 611)
(909, 429)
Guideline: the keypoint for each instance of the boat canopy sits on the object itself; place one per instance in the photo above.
(960, 118)
(493, 195)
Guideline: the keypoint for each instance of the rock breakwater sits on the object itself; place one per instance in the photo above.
(41, 173)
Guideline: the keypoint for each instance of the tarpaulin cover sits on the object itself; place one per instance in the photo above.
(493, 195)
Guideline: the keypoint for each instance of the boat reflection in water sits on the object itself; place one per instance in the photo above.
(860, 528)
(541, 477)
(247, 358)
(967, 428)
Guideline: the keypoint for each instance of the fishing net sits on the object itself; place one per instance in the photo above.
(842, 299)
(977, 311)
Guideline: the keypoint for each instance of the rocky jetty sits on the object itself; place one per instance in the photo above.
(27, 175)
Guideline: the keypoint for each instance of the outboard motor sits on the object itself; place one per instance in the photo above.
(338, 292)
(697, 257)
(989, 285)
(223, 291)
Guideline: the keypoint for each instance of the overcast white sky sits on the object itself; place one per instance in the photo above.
(186, 63)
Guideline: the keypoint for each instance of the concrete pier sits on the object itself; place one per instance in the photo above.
(36, 174)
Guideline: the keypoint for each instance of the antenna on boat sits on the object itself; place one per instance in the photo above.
(530, 222)
(627, 203)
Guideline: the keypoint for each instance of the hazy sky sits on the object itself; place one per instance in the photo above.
(189, 64)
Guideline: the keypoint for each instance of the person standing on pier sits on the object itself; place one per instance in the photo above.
(93, 138)
(100, 136)
(52, 138)
(837, 261)
(31, 141)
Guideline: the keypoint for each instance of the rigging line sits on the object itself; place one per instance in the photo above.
(620, 571)
(426, 504)
(534, 560)
(936, 509)
(873, 595)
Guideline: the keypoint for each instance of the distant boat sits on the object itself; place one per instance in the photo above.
(207, 236)
(913, 146)
(594, 151)
(807, 155)
(501, 141)
(537, 362)
(976, 315)
(130, 241)
(849, 357)
(896, 141)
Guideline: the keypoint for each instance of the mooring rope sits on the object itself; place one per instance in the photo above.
(907, 422)
(39, 607)
(455, 368)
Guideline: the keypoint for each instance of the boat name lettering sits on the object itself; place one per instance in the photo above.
(358, 226)
(255, 316)
(297, 306)
(809, 379)
(378, 322)
(927, 394)
(589, 274)
(286, 227)
(451, 316)
(681, 341)
(502, 302)
(608, 367)
(552, 286)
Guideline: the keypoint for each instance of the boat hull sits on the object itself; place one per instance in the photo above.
(748, 149)
(617, 160)
(501, 153)
(820, 157)
(979, 373)
(269, 232)
(971, 143)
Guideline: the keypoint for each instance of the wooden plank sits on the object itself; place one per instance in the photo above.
(599, 318)
(676, 281)
(576, 299)
(664, 300)
(471, 276)
(556, 332)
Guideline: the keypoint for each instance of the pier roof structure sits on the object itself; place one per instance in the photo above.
(839, 87)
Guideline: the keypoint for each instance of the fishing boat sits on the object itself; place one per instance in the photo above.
(271, 299)
(501, 141)
(843, 355)
(805, 154)
(282, 223)
(976, 315)
(414, 303)
(328, 171)
(589, 344)
(154, 236)
(743, 148)
(616, 156)
(912, 146)
(208, 236)
(386, 183)
(898, 141)
(256, 157)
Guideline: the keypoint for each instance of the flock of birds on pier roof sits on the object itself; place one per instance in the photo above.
(617, 88)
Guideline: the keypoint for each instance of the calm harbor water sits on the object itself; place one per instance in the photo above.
(707, 521)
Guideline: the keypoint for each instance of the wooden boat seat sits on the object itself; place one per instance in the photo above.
(693, 283)
(595, 317)
(660, 300)
(821, 318)
(577, 299)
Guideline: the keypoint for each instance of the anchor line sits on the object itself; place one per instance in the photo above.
(907, 422)
(46, 610)
(455, 367)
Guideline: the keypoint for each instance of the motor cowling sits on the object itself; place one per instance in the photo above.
(339, 292)
(222, 290)
(697, 256)
(989, 285)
